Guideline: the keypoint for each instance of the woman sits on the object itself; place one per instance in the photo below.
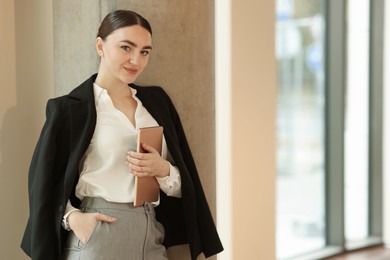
(81, 178)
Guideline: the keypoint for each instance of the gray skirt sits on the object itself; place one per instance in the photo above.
(136, 235)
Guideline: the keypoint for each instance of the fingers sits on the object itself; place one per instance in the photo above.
(147, 164)
(150, 152)
(83, 224)
(142, 164)
(104, 218)
(136, 166)
(137, 159)
(140, 171)
(148, 148)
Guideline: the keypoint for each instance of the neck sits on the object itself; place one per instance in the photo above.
(114, 86)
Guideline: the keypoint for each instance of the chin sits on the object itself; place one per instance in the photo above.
(128, 80)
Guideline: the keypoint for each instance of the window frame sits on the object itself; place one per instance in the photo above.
(335, 81)
(335, 94)
(376, 118)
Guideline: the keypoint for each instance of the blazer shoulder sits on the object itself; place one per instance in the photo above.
(84, 91)
(155, 94)
(148, 89)
(61, 102)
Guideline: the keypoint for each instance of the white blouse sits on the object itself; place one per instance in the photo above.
(103, 172)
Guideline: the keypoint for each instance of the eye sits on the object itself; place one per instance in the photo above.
(125, 48)
(145, 53)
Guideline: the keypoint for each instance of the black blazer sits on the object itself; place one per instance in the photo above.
(54, 172)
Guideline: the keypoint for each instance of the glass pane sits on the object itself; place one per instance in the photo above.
(300, 125)
(356, 120)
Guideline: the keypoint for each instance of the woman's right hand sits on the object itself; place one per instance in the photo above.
(83, 224)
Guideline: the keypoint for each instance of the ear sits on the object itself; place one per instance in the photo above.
(99, 46)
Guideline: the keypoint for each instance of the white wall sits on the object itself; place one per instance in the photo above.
(10, 231)
(26, 69)
(246, 103)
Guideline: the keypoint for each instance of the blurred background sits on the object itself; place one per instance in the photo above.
(330, 121)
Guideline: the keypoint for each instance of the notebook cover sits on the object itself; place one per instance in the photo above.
(147, 189)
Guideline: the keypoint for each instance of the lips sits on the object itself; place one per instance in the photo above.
(131, 71)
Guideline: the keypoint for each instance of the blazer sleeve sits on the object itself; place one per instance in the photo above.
(39, 240)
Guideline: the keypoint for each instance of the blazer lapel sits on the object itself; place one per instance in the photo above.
(147, 102)
(155, 109)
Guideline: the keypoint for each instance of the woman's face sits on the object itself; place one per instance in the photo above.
(124, 53)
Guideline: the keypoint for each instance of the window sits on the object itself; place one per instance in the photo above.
(330, 116)
(300, 125)
(356, 137)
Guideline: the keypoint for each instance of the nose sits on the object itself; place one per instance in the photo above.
(134, 59)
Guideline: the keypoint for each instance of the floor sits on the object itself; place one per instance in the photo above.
(375, 253)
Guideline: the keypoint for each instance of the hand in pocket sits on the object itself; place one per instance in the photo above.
(83, 224)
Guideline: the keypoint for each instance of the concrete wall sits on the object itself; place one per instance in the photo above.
(75, 28)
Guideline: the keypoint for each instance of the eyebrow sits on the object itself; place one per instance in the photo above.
(135, 45)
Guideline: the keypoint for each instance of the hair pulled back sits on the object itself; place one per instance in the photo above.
(119, 19)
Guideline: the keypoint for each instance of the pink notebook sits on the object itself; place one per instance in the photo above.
(147, 189)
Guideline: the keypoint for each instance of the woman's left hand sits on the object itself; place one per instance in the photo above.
(147, 164)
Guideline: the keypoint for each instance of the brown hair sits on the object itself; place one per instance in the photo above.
(121, 18)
